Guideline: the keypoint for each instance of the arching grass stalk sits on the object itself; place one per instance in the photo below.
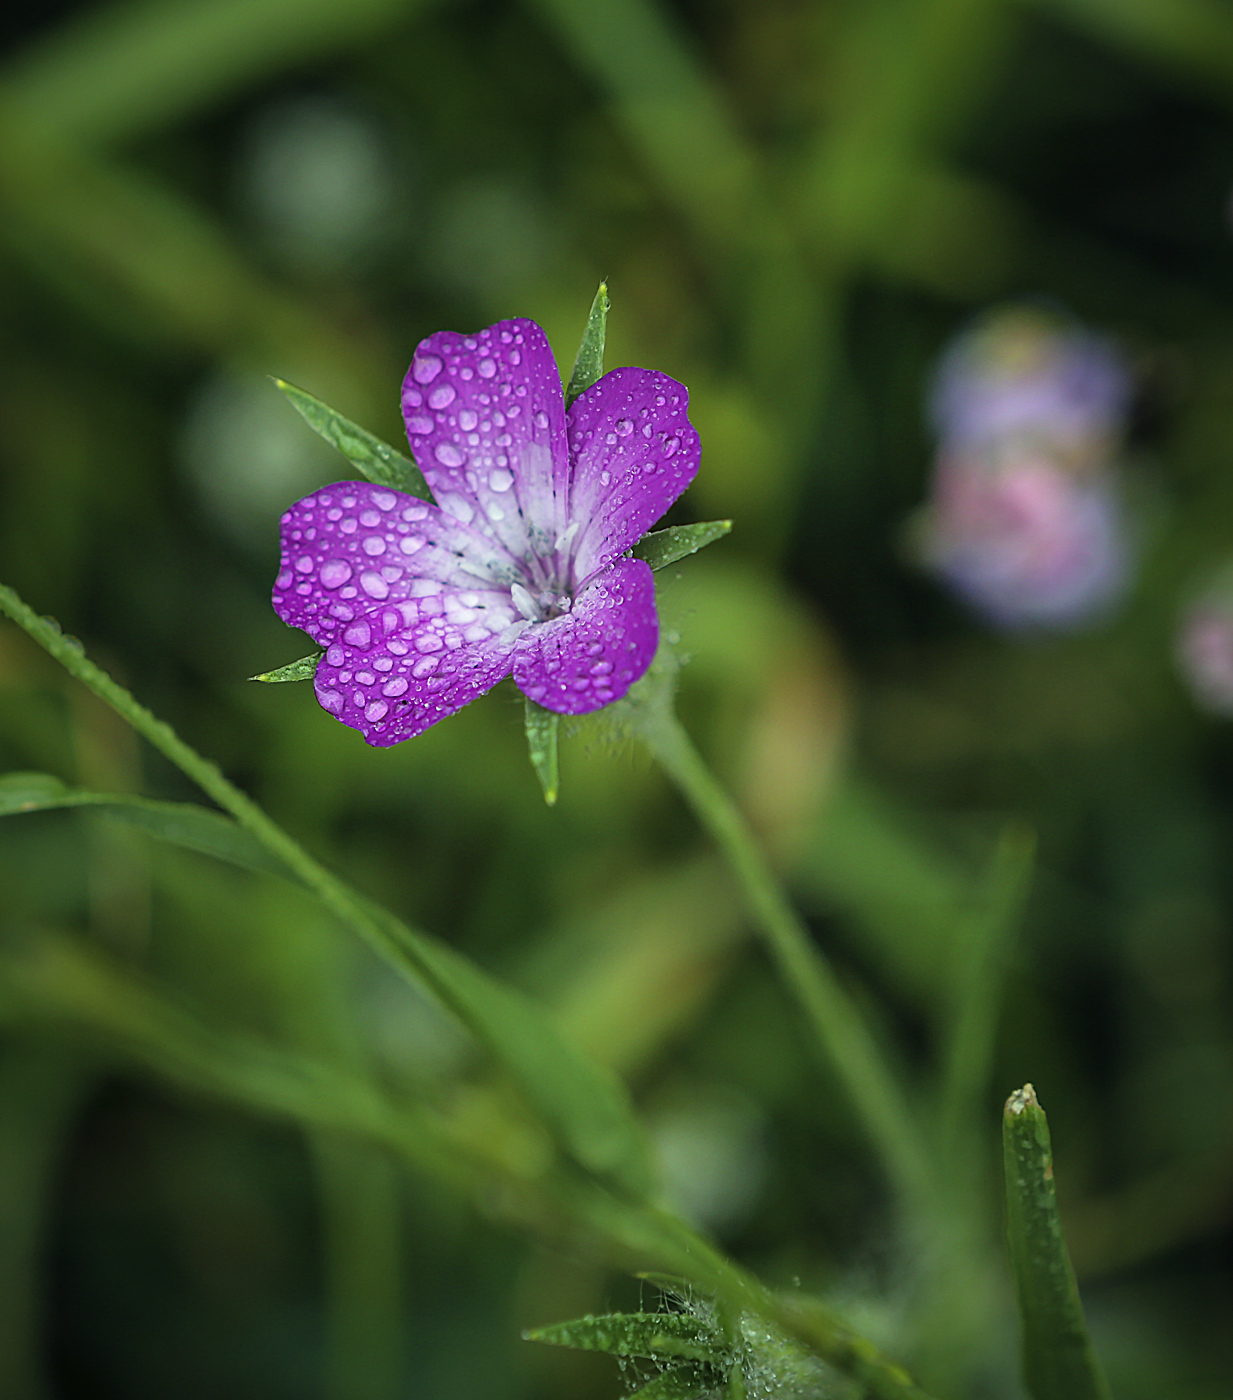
(841, 1034)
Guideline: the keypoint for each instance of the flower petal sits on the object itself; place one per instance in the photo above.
(399, 669)
(592, 655)
(634, 451)
(486, 420)
(354, 545)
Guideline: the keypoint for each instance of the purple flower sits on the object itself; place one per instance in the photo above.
(1022, 373)
(518, 567)
(1024, 541)
(1204, 645)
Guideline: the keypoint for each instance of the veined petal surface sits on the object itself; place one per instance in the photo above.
(350, 547)
(634, 451)
(485, 418)
(590, 656)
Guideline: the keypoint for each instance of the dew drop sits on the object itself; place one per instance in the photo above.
(467, 419)
(373, 545)
(330, 700)
(624, 427)
(442, 396)
(487, 367)
(359, 635)
(501, 480)
(377, 710)
(447, 454)
(426, 368)
(374, 585)
(420, 423)
(334, 573)
(397, 686)
(385, 500)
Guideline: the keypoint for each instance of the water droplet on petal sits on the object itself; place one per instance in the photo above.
(334, 573)
(426, 368)
(420, 423)
(487, 368)
(373, 545)
(447, 454)
(442, 396)
(501, 480)
(467, 419)
(624, 427)
(377, 710)
(374, 585)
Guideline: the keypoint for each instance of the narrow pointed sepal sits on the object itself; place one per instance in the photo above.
(664, 547)
(301, 670)
(543, 729)
(376, 460)
(589, 362)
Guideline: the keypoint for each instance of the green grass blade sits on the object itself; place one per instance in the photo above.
(586, 1107)
(180, 823)
(589, 362)
(664, 547)
(377, 460)
(302, 670)
(543, 729)
(1059, 1362)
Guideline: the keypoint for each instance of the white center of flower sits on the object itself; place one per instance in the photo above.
(541, 607)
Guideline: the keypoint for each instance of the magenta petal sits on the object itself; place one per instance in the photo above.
(352, 546)
(486, 420)
(399, 669)
(634, 452)
(591, 656)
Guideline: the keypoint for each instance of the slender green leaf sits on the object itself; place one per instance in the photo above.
(302, 670)
(1059, 1362)
(377, 460)
(589, 362)
(180, 823)
(543, 728)
(665, 547)
(648, 1335)
(683, 1382)
(588, 1108)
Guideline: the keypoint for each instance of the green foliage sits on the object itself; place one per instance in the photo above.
(368, 454)
(663, 547)
(302, 670)
(1059, 1362)
(589, 361)
(543, 731)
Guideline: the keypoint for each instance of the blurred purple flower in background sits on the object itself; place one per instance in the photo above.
(517, 567)
(1025, 520)
(1204, 645)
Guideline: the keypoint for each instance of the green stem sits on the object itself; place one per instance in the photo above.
(840, 1031)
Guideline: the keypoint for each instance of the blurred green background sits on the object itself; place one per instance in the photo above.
(796, 204)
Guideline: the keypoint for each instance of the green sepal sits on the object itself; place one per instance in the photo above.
(375, 459)
(649, 1335)
(543, 728)
(665, 547)
(683, 1382)
(1059, 1362)
(179, 823)
(589, 362)
(302, 670)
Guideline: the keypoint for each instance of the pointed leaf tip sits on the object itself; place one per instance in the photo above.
(664, 547)
(543, 729)
(375, 459)
(302, 670)
(589, 362)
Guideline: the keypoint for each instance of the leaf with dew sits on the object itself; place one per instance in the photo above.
(589, 362)
(649, 1335)
(376, 460)
(543, 729)
(664, 547)
(302, 670)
